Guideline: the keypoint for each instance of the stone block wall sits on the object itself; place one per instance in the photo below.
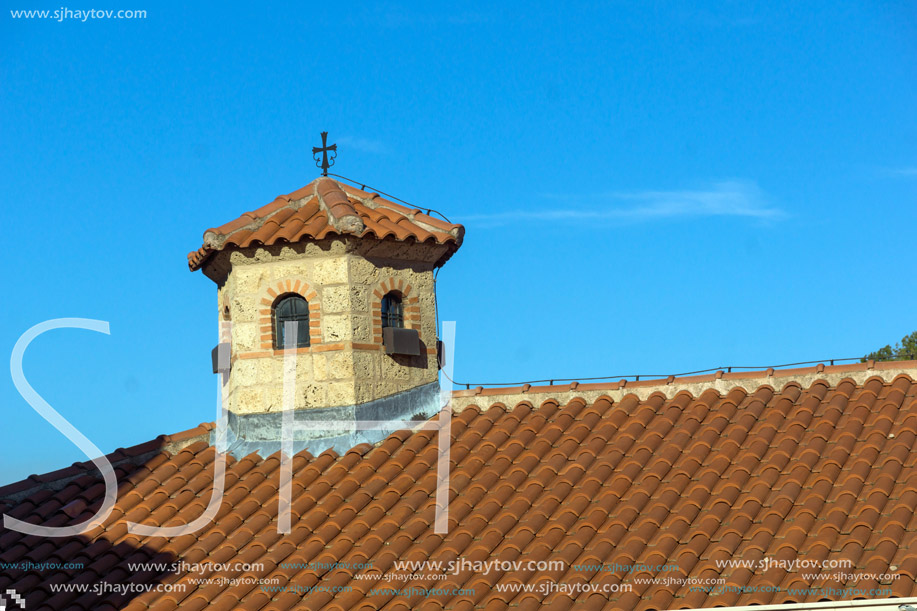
(343, 280)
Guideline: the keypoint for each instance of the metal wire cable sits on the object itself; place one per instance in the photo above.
(636, 377)
(364, 186)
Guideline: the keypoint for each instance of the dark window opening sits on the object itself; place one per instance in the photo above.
(291, 308)
(392, 311)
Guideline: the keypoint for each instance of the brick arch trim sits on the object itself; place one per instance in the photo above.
(269, 295)
(410, 302)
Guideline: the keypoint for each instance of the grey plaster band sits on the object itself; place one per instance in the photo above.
(261, 433)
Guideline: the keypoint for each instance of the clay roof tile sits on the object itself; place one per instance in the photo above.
(324, 208)
(527, 483)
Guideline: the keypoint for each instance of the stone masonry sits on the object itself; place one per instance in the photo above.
(343, 279)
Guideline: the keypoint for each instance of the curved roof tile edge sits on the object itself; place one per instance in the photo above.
(172, 444)
(337, 202)
(719, 380)
(508, 399)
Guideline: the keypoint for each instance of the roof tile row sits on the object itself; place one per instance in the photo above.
(326, 208)
(826, 472)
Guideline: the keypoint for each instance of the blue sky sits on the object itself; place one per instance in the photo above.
(647, 187)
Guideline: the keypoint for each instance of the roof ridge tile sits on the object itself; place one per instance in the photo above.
(343, 210)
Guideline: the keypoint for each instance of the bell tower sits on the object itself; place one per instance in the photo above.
(353, 272)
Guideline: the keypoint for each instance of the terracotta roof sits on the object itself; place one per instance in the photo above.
(721, 380)
(822, 471)
(325, 208)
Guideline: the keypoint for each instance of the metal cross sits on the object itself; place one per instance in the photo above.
(323, 149)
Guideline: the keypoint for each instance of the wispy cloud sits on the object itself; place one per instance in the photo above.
(363, 145)
(389, 16)
(911, 171)
(722, 199)
(402, 18)
(716, 20)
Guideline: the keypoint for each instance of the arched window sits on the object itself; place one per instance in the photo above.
(291, 308)
(392, 311)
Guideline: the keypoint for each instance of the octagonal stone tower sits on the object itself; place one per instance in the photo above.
(356, 272)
